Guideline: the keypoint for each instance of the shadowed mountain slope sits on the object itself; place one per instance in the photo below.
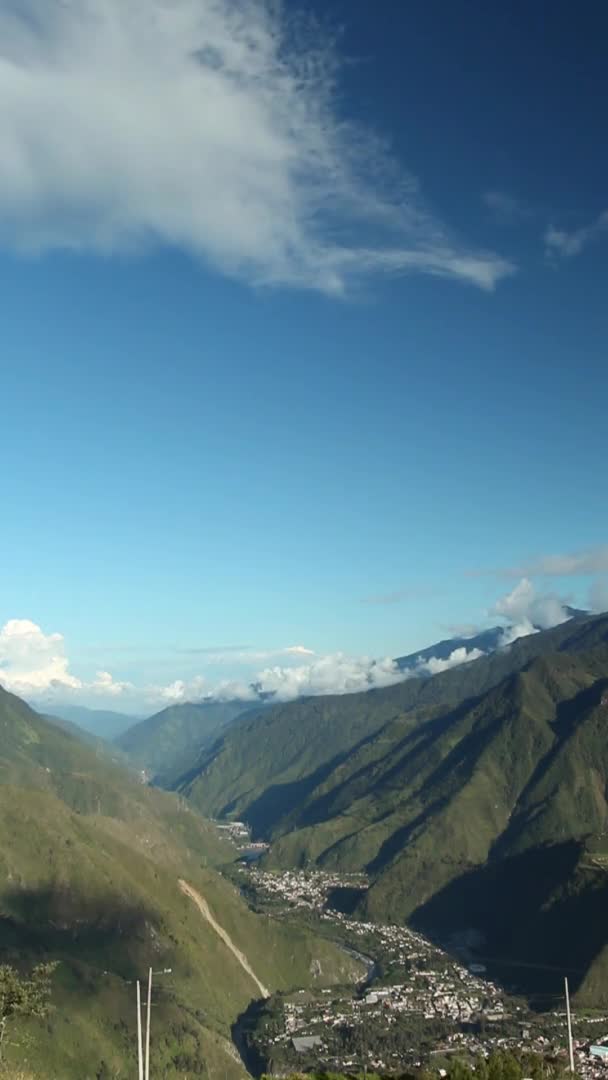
(277, 758)
(90, 863)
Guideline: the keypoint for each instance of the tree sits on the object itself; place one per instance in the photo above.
(459, 1070)
(23, 995)
(503, 1066)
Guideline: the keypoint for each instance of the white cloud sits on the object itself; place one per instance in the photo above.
(559, 243)
(207, 125)
(32, 661)
(528, 611)
(180, 690)
(34, 665)
(435, 664)
(334, 674)
(105, 683)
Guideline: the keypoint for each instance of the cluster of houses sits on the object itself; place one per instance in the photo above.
(419, 980)
(303, 888)
(238, 832)
(310, 1021)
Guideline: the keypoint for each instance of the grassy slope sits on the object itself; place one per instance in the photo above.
(167, 743)
(89, 863)
(102, 747)
(527, 766)
(278, 758)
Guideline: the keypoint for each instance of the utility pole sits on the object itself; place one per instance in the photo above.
(140, 1061)
(147, 1077)
(569, 1018)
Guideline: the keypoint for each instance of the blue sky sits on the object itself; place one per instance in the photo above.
(304, 333)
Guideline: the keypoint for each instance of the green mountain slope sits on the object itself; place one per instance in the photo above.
(167, 743)
(101, 746)
(509, 774)
(90, 862)
(443, 790)
(278, 758)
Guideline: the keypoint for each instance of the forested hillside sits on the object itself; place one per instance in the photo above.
(443, 789)
(90, 862)
(167, 743)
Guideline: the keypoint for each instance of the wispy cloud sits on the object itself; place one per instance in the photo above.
(212, 650)
(561, 243)
(506, 208)
(212, 127)
(247, 654)
(592, 560)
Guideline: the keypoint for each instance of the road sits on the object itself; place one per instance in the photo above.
(205, 911)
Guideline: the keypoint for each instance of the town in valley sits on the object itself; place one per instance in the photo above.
(416, 1004)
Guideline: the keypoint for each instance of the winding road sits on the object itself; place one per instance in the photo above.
(205, 911)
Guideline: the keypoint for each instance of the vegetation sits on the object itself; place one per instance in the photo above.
(168, 743)
(500, 1065)
(101, 746)
(279, 757)
(450, 793)
(89, 869)
(23, 996)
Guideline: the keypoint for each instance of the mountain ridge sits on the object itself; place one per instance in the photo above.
(164, 744)
(428, 781)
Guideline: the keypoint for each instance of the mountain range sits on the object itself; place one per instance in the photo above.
(164, 744)
(105, 723)
(488, 780)
(484, 641)
(168, 743)
(474, 799)
(479, 641)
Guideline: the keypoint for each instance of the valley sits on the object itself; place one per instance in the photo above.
(417, 1006)
(90, 863)
(304, 540)
(383, 879)
(472, 800)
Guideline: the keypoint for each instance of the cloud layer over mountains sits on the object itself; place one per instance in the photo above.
(208, 126)
(34, 665)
